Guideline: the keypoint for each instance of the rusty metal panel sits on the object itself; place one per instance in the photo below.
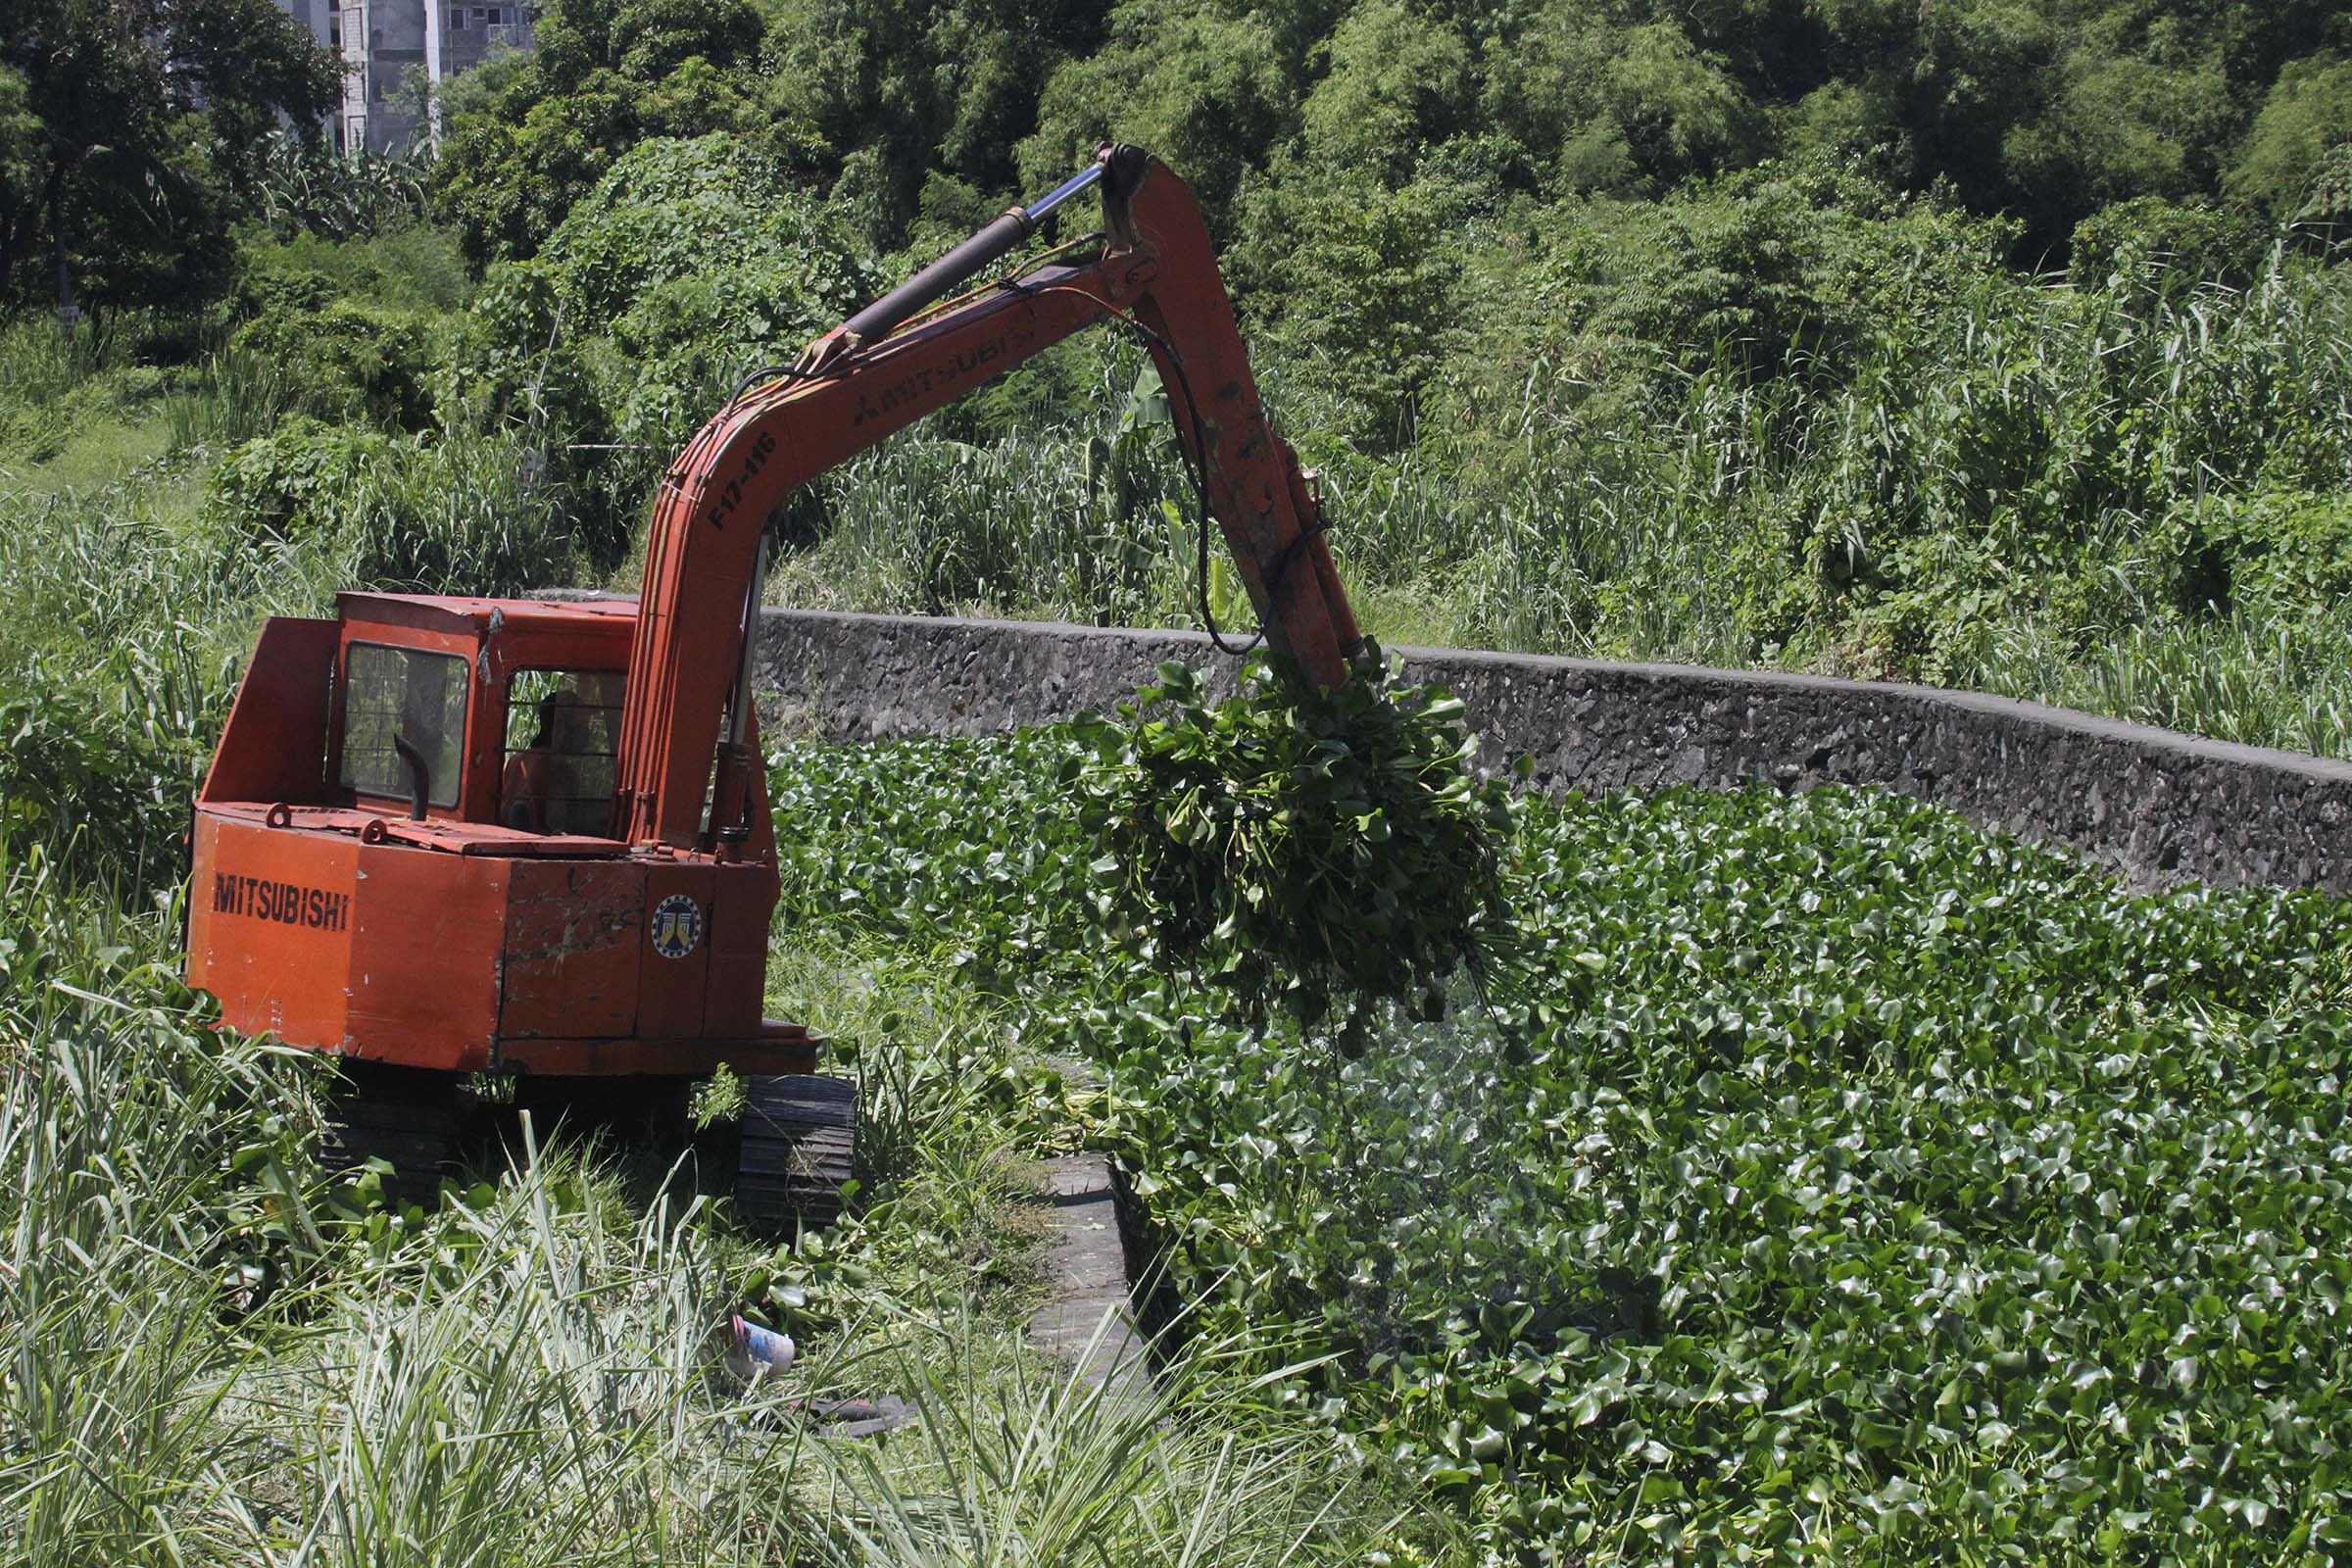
(271, 921)
(573, 932)
(427, 939)
(745, 903)
(434, 833)
(665, 1059)
(274, 745)
(674, 960)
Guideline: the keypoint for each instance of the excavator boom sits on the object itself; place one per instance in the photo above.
(1155, 270)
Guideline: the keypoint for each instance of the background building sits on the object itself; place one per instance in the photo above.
(394, 52)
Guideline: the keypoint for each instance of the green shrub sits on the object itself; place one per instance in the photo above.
(407, 265)
(307, 187)
(2304, 115)
(2283, 550)
(713, 210)
(80, 781)
(280, 282)
(1360, 279)
(345, 361)
(690, 263)
(2325, 219)
(298, 479)
(468, 514)
(2152, 243)
(464, 513)
(1400, 80)
(517, 361)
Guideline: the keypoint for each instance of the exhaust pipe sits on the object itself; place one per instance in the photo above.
(420, 778)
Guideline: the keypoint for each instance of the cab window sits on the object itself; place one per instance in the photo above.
(405, 694)
(562, 736)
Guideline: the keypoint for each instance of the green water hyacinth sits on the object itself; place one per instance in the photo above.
(1820, 1180)
(1297, 849)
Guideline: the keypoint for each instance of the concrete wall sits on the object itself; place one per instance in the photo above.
(313, 17)
(2155, 806)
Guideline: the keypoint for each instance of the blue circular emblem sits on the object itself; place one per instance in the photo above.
(677, 926)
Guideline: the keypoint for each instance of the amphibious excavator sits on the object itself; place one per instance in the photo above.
(444, 838)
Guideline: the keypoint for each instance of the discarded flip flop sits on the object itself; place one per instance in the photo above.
(859, 1418)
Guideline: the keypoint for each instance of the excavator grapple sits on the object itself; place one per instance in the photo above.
(444, 837)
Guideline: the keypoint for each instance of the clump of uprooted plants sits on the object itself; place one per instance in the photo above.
(1302, 851)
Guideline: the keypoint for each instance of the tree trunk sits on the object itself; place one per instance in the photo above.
(55, 195)
(12, 234)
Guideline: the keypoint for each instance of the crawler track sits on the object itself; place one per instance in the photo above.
(412, 1120)
(800, 1149)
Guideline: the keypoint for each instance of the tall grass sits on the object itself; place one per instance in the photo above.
(2022, 481)
(534, 1389)
(237, 395)
(1014, 1467)
(461, 515)
(1074, 527)
(2262, 682)
(119, 1230)
(208, 1357)
(42, 363)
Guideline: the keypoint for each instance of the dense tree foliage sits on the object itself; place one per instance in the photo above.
(1359, 159)
(689, 264)
(2044, 110)
(132, 133)
(1957, 341)
(537, 132)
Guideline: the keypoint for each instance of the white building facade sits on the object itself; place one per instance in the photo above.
(396, 52)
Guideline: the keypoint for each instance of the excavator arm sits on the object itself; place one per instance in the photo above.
(689, 695)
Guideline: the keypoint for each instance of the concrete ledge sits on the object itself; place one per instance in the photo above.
(1088, 1319)
(2150, 804)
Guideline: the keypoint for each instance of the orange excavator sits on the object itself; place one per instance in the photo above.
(446, 837)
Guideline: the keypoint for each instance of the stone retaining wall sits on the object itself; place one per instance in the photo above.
(2155, 806)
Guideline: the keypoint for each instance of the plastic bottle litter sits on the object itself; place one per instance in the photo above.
(763, 1350)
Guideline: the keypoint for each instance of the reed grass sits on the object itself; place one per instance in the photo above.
(2026, 469)
(205, 1357)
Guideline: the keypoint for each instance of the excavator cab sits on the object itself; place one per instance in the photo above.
(480, 710)
(405, 852)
